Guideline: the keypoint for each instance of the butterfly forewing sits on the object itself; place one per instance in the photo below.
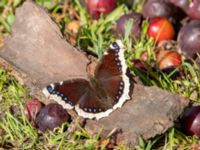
(109, 72)
(109, 66)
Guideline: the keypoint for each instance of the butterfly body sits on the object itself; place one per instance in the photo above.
(101, 94)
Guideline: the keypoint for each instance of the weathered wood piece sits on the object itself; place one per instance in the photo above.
(151, 111)
(38, 48)
(37, 54)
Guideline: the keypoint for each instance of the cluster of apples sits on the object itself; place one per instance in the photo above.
(165, 23)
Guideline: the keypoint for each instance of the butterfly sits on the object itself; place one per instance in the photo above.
(103, 93)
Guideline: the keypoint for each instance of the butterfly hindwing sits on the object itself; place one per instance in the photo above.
(92, 106)
(114, 87)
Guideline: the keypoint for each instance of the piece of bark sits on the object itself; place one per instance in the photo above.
(37, 54)
(38, 48)
(151, 111)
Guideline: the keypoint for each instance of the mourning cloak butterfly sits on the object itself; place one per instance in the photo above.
(103, 93)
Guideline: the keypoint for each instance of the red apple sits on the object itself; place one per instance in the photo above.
(32, 109)
(183, 4)
(160, 29)
(189, 39)
(96, 7)
(168, 58)
(194, 9)
(191, 121)
(159, 8)
(51, 116)
(140, 65)
(136, 27)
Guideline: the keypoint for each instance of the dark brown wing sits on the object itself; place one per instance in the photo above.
(67, 93)
(109, 65)
(114, 87)
(79, 94)
(91, 106)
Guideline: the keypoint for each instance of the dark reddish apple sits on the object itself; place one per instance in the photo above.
(160, 29)
(51, 116)
(183, 4)
(140, 65)
(168, 59)
(194, 9)
(136, 28)
(98, 7)
(190, 121)
(32, 109)
(189, 39)
(158, 8)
